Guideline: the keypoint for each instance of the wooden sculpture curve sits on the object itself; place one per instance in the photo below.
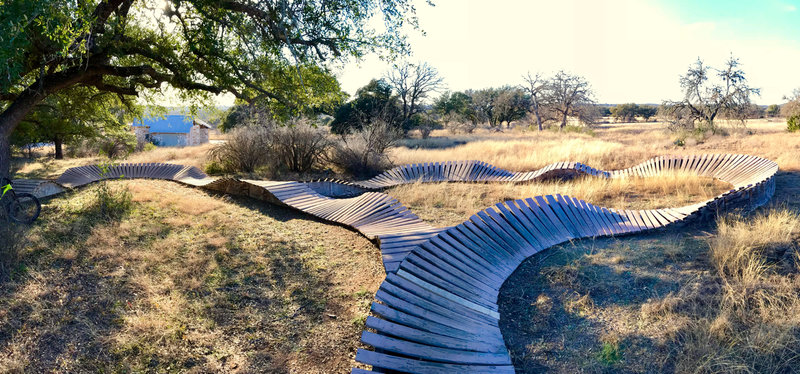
(437, 309)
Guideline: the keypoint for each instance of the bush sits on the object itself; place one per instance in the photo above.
(113, 144)
(363, 153)
(466, 127)
(793, 123)
(297, 146)
(425, 123)
(214, 168)
(245, 150)
(81, 148)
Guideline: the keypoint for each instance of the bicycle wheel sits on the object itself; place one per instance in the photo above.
(25, 208)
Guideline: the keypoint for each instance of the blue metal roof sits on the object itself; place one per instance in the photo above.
(172, 123)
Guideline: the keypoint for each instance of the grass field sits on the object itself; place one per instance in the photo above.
(186, 281)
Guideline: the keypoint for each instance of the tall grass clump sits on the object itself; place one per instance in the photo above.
(12, 241)
(746, 248)
(112, 202)
(748, 321)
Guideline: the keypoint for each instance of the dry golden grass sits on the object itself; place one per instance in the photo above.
(186, 282)
(527, 152)
(721, 302)
(448, 204)
(189, 156)
(738, 254)
(189, 282)
(45, 168)
(612, 146)
(752, 322)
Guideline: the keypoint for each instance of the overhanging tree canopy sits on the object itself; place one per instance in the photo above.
(271, 50)
(77, 112)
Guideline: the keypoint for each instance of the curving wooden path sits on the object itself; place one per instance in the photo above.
(437, 309)
(438, 312)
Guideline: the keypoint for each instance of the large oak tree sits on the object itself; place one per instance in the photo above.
(276, 51)
(569, 96)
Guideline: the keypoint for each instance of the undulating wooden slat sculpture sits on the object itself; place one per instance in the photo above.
(437, 309)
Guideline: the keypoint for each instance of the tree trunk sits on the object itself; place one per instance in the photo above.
(5, 157)
(9, 119)
(24, 103)
(563, 120)
(59, 149)
(538, 120)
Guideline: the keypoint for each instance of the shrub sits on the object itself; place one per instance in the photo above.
(81, 148)
(610, 353)
(363, 153)
(245, 150)
(214, 168)
(425, 123)
(793, 123)
(466, 127)
(113, 144)
(298, 146)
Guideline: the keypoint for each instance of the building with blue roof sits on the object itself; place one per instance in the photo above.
(171, 131)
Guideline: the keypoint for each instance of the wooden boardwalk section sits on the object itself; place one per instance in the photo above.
(438, 312)
(471, 171)
(376, 215)
(437, 309)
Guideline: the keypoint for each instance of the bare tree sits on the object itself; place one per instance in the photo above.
(536, 88)
(706, 98)
(792, 106)
(566, 94)
(413, 83)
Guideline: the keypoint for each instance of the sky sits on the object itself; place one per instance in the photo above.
(629, 50)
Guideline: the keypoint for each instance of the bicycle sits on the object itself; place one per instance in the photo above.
(22, 207)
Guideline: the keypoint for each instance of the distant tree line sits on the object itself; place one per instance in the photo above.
(403, 98)
(630, 112)
(413, 97)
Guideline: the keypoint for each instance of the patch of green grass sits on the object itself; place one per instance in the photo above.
(610, 353)
(359, 321)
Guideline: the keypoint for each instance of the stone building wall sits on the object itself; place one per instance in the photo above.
(141, 133)
(197, 135)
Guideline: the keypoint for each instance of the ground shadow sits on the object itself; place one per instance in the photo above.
(66, 307)
(557, 309)
(552, 307)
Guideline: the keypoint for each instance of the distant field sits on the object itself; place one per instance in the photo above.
(193, 282)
